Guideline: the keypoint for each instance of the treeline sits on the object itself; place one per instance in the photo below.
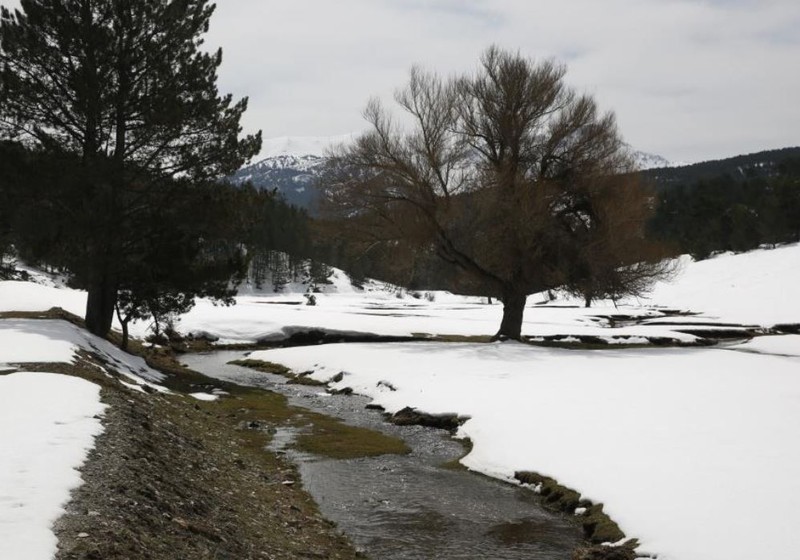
(278, 241)
(40, 210)
(765, 164)
(731, 211)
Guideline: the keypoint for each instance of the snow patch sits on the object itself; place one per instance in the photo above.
(204, 396)
(43, 341)
(48, 423)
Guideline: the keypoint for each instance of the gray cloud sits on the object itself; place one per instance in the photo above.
(688, 79)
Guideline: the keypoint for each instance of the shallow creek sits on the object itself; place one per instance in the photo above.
(408, 507)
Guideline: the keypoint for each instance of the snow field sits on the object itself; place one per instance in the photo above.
(760, 288)
(693, 451)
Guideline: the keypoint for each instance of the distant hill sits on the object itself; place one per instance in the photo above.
(734, 204)
(290, 165)
(769, 163)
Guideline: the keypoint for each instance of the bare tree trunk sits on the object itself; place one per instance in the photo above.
(123, 321)
(513, 308)
(587, 299)
(124, 343)
(100, 303)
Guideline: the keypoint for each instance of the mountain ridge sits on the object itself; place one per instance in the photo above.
(290, 165)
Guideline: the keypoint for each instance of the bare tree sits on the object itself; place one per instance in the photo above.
(612, 257)
(501, 171)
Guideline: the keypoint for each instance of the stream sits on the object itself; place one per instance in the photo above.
(409, 506)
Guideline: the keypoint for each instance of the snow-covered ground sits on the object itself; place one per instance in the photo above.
(759, 288)
(691, 450)
(48, 423)
(40, 296)
(48, 341)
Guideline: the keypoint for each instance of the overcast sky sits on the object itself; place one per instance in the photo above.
(688, 80)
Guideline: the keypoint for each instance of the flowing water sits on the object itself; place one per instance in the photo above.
(408, 507)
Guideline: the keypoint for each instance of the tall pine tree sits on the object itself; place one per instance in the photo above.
(122, 90)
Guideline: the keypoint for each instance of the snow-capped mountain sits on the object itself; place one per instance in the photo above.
(291, 164)
(645, 160)
(651, 161)
(292, 176)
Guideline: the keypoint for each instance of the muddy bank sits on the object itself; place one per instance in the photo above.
(171, 479)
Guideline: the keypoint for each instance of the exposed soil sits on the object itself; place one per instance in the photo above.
(173, 478)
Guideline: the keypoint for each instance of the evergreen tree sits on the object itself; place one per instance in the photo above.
(319, 274)
(273, 226)
(123, 90)
(11, 157)
(192, 250)
(279, 270)
(726, 214)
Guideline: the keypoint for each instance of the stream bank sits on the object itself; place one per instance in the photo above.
(168, 478)
(407, 506)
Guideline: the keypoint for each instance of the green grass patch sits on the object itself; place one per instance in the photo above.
(590, 345)
(305, 380)
(52, 313)
(331, 438)
(324, 435)
(264, 366)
